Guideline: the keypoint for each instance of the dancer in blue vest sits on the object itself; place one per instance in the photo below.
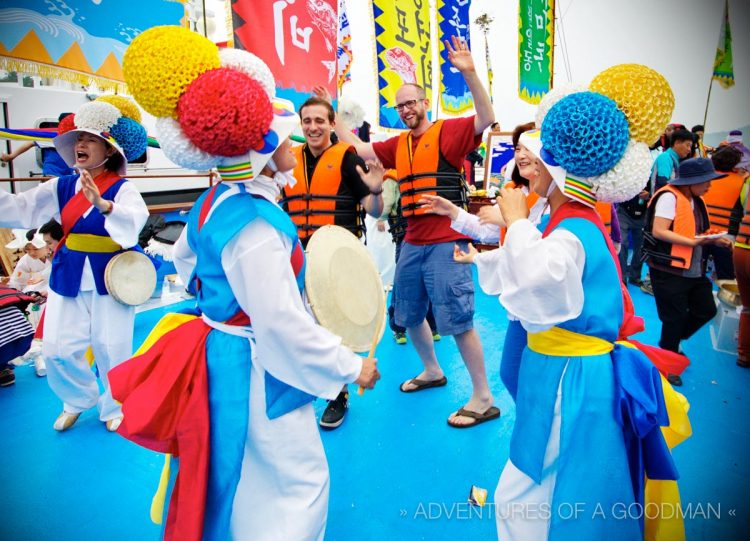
(239, 413)
(589, 411)
(102, 214)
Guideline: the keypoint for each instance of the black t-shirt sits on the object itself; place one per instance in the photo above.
(352, 188)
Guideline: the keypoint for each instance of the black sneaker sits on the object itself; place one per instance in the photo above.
(635, 281)
(334, 414)
(7, 377)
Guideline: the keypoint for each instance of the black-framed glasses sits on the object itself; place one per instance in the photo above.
(410, 104)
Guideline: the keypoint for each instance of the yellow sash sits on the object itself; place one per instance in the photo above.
(84, 242)
(562, 343)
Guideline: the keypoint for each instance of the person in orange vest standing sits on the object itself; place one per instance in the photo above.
(739, 226)
(719, 203)
(333, 186)
(428, 159)
(674, 242)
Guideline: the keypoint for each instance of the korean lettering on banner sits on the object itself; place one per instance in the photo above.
(535, 47)
(302, 53)
(404, 54)
(453, 20)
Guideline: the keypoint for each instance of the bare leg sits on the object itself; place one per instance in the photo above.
(421, 337)
(473, 356)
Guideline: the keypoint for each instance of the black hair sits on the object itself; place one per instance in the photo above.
(53, 229)
(680, 134)
(697, 128)
(726, 158)
(115, 161)
(30, 234)
(63, 116)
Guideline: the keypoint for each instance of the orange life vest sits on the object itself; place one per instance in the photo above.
(605, 213)
(311, 203)
(721, 198)
(679, 255)
(423, 170)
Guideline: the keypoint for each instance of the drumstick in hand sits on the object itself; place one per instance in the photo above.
(376, 337)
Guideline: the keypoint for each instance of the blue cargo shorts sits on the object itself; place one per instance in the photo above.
(427, 273)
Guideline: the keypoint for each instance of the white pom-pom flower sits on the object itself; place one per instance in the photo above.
(627, 178)
(251, 65)
(97, 115)
(351, 112)
(178, 148)
(552, 97)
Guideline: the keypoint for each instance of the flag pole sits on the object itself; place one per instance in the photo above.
(708, 99)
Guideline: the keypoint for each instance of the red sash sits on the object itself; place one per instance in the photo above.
(78, 204)
(667, 362)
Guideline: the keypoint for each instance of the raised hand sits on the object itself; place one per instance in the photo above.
(91, 191)
(322, 92)
(490, 214)
(512, 205)
(434, 204)
(374, 175)
(459, 54)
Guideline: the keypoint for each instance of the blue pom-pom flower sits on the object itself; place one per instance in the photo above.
(586, 133)
(131, 137)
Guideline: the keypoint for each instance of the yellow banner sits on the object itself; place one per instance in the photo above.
(404, 52)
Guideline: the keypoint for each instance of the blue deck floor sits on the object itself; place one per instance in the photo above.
(398, 471)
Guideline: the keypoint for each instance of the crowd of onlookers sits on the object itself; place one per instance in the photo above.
(706, 190)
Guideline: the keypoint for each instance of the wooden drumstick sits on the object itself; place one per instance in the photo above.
(375, 339)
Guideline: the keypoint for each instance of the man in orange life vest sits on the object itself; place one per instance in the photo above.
(428, 160)
(333, 186)
(675, 220)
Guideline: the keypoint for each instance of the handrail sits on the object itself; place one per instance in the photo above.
(129, 177)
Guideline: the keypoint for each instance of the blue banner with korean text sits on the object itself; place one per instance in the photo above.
(453, 20)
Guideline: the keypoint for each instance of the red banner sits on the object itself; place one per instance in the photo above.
(296, 38)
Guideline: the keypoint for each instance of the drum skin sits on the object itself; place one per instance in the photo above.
(130, 278)
(344, 288)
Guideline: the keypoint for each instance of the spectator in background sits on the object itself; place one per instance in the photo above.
(700, 150)
(665, 165)
(740, 227)
(52, 164)
(720, 201)
(52, 233)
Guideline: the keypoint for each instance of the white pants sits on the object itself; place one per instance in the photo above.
(523, 508)
(283, 490)
(383, 251)
(71, 325)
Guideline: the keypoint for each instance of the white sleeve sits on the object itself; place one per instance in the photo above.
(468, 224)
(183, 257)
(539, 279)
(666, 206)
(128, 216)
(31, 208)
(289, 344)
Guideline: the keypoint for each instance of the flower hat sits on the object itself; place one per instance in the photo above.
(595, 141)
(214, 108)
(115, 119)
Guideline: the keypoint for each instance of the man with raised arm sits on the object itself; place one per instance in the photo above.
(429, 160)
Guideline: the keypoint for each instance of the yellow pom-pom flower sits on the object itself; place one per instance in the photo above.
(127, 108)
(643, 94)
(161, 62)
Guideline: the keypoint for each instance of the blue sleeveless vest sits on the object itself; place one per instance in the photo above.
(67, 265)
(214, 296)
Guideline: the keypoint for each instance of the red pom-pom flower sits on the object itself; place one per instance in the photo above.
(225, 112)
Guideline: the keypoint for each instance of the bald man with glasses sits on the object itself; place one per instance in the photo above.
(429, 160)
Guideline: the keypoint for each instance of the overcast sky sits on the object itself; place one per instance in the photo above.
(676, 37)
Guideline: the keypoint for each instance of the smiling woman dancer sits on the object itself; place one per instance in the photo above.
(589, 410)
(101, 214)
